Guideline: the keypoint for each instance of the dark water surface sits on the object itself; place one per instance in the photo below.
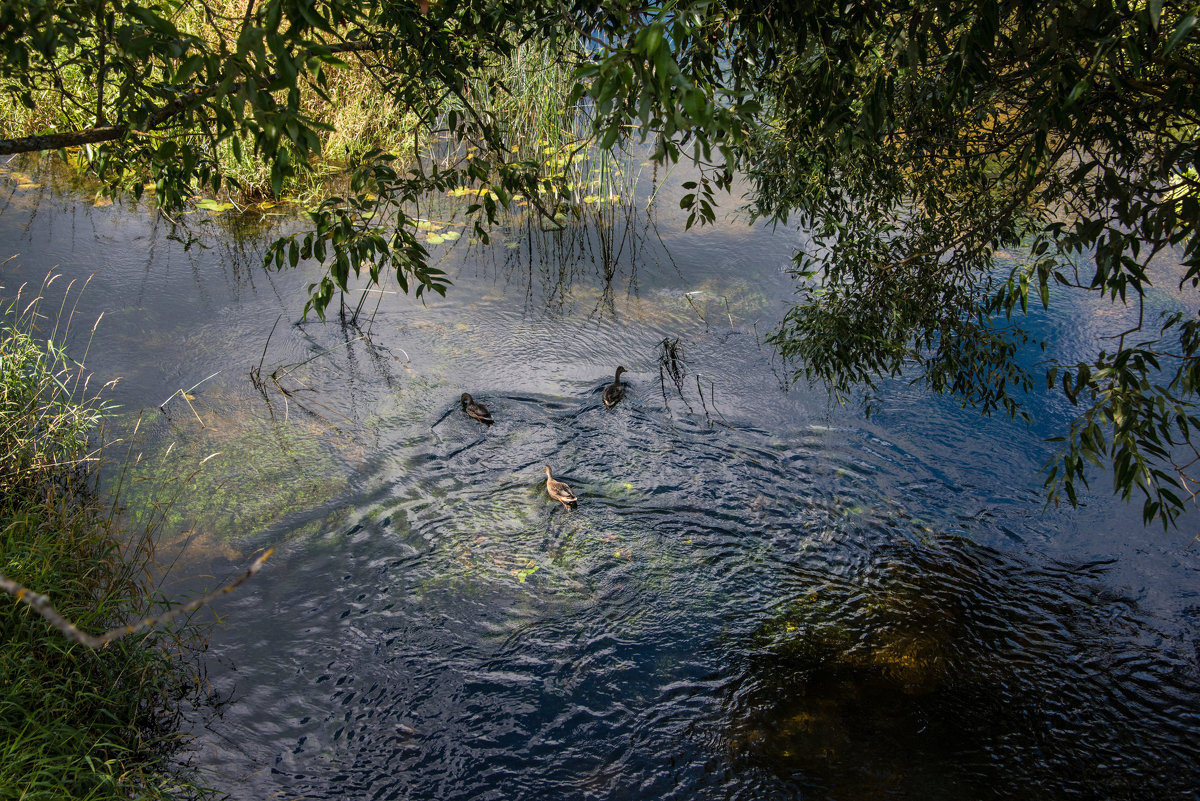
(759, 596)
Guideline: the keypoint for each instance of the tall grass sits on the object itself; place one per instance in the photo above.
(74, 723)
(529, 91)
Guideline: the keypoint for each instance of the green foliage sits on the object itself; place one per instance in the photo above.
(914, 141)
(74, 723)
(42, 429)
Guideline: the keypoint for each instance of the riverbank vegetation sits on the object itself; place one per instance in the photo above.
(75, 723)
(351, 114)
(914, 142)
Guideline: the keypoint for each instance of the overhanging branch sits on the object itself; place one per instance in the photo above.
(109, 133)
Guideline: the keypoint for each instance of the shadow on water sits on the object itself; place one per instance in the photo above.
(728, 614)
(756, 597)
(946, 669)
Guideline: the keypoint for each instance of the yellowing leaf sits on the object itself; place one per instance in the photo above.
(213, 206)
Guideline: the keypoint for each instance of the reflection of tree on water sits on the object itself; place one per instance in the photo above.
(596, 238)
(672, 366)
(952, 670)
(360, 364)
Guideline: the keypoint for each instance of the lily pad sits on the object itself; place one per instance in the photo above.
(213, 206)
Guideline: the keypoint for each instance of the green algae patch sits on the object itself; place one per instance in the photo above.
(236, 476)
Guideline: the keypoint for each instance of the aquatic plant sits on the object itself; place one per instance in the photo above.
(898, 668)
(234, 476)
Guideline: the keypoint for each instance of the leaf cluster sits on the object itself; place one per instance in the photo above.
(914, 141)
(917, 141)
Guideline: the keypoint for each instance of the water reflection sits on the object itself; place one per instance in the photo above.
(757, 596)
(945, 669)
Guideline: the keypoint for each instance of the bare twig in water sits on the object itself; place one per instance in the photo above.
(185, 393)
(688, 297)
(258, 370)
(277, 375)
(41, 604)
(712, 400)
(186, 400)
(671, 363)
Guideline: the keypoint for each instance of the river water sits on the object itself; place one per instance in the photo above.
(759, 595)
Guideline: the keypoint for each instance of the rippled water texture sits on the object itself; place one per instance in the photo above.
(758, 596)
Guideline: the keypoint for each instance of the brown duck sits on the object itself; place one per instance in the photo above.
(476, 411)
(614, 391)
(558, 490)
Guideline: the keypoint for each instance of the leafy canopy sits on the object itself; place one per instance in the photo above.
(914, 140)
(918, 140)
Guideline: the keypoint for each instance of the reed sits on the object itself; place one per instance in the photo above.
(75, 723)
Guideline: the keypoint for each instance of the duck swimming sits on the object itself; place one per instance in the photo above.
(614, 391)
(476, 411)
(558, 490)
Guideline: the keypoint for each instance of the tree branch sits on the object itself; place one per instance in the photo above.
(41, 604)
(108, 133)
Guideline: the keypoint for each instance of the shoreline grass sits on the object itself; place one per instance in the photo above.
(75, 723)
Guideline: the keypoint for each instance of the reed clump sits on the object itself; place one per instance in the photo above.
(75, 723)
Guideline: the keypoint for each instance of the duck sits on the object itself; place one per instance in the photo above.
(558, 490)
(476, 411)
(614, 391)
